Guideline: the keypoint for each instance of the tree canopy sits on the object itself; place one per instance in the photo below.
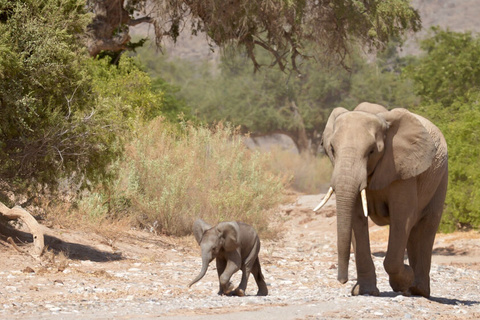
(281, 27)
(63, 114)
(447, 77)
(271, 101)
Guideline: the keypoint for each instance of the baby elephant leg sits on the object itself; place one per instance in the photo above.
(257, 274)
(226, 286)
(221, 264)
(242, 287)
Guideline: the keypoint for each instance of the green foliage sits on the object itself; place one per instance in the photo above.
(447, 78)
(449, 69)
(274, 101)
(127, 87)
(46, 126)
(170, 177)
(463, 138)
(281, 27)
(65, 116)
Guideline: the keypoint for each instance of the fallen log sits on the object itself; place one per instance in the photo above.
(35, 228)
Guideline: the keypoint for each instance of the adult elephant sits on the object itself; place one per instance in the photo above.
(392, 166)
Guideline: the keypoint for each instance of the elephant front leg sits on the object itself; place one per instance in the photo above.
(401, 276)
(226, 287)
(366, 277)
(221, 264)
(403, 216)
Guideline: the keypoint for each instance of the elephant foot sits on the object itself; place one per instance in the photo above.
(262, 292)
(228, 291)
(262, 289)
(238, 292)
(402, 281)
(362, 289)
(419, 289)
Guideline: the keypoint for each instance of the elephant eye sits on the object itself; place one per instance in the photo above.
(332, 150)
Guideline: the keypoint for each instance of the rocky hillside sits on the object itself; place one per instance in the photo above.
(460, 16)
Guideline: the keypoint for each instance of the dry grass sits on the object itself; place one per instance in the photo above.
(170, 177)
(308, 174)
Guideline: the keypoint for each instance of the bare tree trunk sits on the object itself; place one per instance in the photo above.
(301, 139)
(109, 29)
(32, 224)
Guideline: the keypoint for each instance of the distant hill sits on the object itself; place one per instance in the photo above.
(457, 15)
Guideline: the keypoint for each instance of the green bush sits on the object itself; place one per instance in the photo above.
(449, 67)
(64, 115)
(170, 177)
(459, 124)
(49, 128)
(447, 78)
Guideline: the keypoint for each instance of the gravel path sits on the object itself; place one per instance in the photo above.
(150, 280)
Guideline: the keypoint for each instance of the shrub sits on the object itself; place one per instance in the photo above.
(459, 124)
(169, 177)
(447, 79)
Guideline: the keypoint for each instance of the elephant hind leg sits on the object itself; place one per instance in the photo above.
(259, 279)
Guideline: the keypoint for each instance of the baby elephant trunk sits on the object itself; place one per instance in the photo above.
(205, 261)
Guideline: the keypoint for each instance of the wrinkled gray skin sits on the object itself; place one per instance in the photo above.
(235, 245)
(401, 160)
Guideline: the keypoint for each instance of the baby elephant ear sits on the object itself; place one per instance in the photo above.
(230, 232)
(199, 228)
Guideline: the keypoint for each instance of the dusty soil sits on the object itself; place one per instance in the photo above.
(143, 275)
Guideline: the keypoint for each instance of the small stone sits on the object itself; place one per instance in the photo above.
(28, 270)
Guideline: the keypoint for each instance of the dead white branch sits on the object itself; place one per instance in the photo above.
(32, 224)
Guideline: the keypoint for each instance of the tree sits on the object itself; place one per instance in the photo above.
(449, 67)
(63, 114)
(271, 101)
(281, 27)
(447, 78)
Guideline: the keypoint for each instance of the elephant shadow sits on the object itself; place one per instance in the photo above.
(454, 302)
(74, 251)
(440, 300)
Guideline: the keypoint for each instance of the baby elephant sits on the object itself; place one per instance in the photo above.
(235, 245)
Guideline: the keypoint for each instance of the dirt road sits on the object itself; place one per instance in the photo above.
(142, 275)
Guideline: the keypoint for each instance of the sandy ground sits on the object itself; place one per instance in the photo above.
(138, 275)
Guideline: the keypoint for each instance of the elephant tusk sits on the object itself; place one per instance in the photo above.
(325, 199)
(364, 202)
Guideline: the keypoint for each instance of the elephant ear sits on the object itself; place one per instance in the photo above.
(328, 132)
(409, 149)
(199, 228)
(230, 233)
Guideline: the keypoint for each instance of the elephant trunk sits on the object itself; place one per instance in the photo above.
(345, 204)
(206, 258)
(348, 179)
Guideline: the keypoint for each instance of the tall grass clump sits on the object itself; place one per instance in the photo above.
(307, 173)
(170, 177)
